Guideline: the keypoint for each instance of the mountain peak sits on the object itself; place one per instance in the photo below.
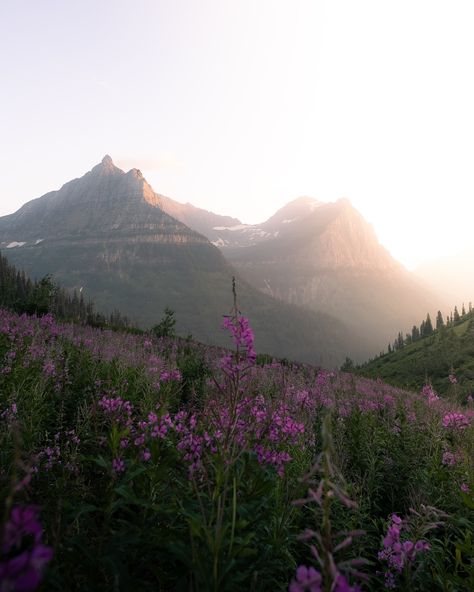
(135, 173)
(105, 166)
(298, 209)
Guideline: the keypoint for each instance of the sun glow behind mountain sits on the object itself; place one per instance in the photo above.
(241, 107)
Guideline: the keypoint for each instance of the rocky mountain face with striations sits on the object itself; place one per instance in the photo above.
(330, 259)
(107, 234)
(326, 257)
(226, 233)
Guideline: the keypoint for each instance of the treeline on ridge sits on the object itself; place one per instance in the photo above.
(22, 295)
(426, 327)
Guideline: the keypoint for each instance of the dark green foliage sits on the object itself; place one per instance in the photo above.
(348, 365)
(439, 320)
(427, 327)
(448, 350)
(165, 327)
(20, 294)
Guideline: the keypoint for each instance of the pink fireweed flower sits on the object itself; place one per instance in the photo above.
(465, 488)
(455, 421)
(450, 459)
(25, 556)
(242, 336)
(118, 465)
(169, 375)
(429, 393)
(398, 553)
(307, 579)
(342, 585)
(49, 368)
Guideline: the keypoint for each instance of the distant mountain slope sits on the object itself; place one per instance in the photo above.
(432, 358)
(227, 233)
(107, 234)
(196, 218)
(329, 259)
(324, 257)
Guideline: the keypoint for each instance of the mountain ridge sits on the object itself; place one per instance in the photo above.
(326, 256)
(106, 232)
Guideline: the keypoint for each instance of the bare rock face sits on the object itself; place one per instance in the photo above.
(107, 234)
(331, 260)
(106, 203)
(326, 257)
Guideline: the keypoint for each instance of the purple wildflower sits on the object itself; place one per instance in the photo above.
(27, 558)
(455, 421)
(118, 465)
(307, 579)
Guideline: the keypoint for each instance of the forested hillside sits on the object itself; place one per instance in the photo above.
(442, 355)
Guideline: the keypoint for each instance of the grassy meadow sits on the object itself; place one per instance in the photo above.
(130, 462)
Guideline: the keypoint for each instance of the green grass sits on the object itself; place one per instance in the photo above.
(433, 359)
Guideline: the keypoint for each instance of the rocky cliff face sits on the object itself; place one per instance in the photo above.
(326, 257)
(107, 234)
(106, 202)
(330, 259)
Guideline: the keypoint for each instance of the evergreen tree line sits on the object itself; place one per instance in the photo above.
(23, 295)
(426, 327)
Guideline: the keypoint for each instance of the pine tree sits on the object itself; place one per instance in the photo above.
(415, 333)
(428, 325)
(463, 310)
(439, 320)
(400, 340)
(456, 316)
(165, 327)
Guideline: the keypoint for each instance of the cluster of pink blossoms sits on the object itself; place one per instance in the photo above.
(456, 421)
(450, 459)
(117, 409)
(429, 393)
(398, 553)
(25, 555)
(243, 338)
(308, 579)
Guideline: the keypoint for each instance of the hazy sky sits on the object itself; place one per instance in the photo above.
(239, 106)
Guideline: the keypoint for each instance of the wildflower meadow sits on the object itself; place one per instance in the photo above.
(131, 462)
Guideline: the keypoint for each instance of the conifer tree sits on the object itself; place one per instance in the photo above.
(400, 340)
(428, 325)
(456, 316)
(439, 320)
